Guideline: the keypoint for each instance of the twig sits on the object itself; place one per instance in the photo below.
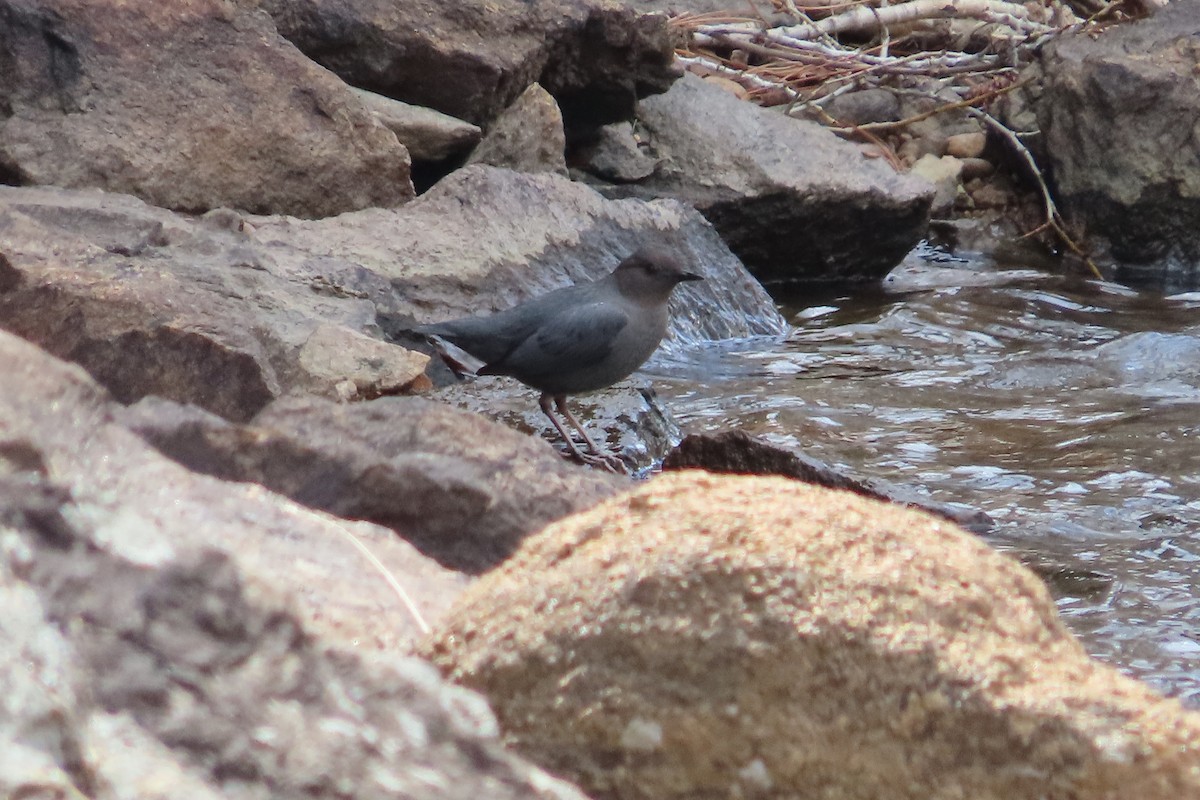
(387, 576)
(1054, 220)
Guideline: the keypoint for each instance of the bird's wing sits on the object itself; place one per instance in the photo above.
(576, 336)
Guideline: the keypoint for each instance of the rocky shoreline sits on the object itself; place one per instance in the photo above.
(241, 513)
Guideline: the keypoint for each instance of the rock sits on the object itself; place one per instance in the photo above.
(429, 135)
(335, 356)
(789, 197)
(864, 106)
(527, 137)
(1122, 163)
(737, 637)
(230, 313)
(966, 145)
(741, 454)
(484, 239)
(973, 168)
(462, 489)
(616, 155)
(59, 429)
(628, 418)
(151, 302)
(472, 58)
(945, 174)
(235, 116)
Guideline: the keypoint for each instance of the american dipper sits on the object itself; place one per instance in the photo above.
(578, 339)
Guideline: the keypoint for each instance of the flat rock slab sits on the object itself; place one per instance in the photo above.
(1118, 114)
(234, 116)
(152, 302)
(708, 636)
(471, 58)
(464, 490)
(794, 202)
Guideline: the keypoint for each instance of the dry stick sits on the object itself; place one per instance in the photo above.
(387, 576)
(868, 18)
(1053, 219)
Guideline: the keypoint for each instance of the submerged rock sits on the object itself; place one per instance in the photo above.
(737, 636)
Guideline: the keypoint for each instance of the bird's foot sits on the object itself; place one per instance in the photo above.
(610, 462)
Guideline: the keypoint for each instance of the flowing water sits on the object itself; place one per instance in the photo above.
(1068, 410)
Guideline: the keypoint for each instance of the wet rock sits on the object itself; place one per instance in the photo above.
(484, 239)
(1121, 161)
(80, 112)
(790, 198)
(758, 637)
(464, 490)
(152, 302)
(614, 154)
(739, 453)
(527, 137)
(472, 58)
(628, 419)
(429, 136)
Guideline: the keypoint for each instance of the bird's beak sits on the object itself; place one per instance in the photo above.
(691, 276)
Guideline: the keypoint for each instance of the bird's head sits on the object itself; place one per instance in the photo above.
(650, 274)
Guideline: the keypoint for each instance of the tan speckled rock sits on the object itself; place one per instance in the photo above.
(708, 637)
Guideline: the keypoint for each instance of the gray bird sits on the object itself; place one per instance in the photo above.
(578, 339)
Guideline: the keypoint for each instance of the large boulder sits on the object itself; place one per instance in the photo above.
(485, 239)
(709, 636)
(188, 105)
(166, 634)
(471, 58)
(1117, 116)
(463, 489)
(792, 200)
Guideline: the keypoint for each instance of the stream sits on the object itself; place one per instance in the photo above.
(1067, 409)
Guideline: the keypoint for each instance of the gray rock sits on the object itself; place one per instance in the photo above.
(222, 123)
(152, 302)
(1116, 116)
(462, 489)
(472, 58)
(863, 106)
(615, 155)
(527, 137)
(485, 239)
(427, 134)
(790, 198)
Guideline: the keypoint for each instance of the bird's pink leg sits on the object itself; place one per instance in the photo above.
(596, 457)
